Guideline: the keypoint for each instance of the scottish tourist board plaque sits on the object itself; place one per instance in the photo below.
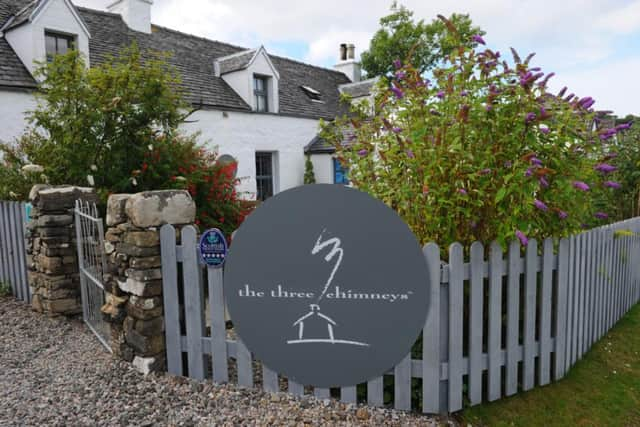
(213, 248)
(326, 285)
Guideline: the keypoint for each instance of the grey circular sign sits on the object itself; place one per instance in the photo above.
(327, 285)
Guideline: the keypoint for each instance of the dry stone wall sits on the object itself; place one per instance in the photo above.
(51, 249)
(133, 282)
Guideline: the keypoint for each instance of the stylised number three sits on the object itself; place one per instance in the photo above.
(335, 250)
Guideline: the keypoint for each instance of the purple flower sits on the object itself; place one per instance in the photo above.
(397, 64)
(362, 152)
(410, 154)
(562, 92)
(486, 171)
(581, 185)
(612, 184)
(396, 129)
(540, 205)
(605, 168)
(478, 39)
(562, 214)
(464, 93)
(528, 173)
(543, 182)
(601, 215)
(488, 107)
(545, 130)
(611, 155)
(530, 117)
(440, 94)
(397, 91)
(536, 161)
(608, 134)
(400, 75)
(434, 112)
(462, 191)
(508, 164)
(624, 126)
(522, 237)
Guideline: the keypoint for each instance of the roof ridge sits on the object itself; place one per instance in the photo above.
(242, 48)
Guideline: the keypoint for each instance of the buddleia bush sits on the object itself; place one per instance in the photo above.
(480, 150)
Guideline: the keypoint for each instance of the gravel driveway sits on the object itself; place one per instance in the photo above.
(53, 372)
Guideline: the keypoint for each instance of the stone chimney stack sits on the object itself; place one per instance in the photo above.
(347, 63)
(136, 13)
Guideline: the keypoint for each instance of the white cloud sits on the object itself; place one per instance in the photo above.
(625, 20)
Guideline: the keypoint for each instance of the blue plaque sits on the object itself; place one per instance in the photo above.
(213, 248)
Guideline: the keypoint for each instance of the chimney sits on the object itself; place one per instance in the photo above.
(347, 63)
(135, 13)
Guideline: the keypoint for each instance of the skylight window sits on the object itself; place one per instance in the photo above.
(312, 93)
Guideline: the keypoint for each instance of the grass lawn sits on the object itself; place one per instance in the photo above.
(603, 389)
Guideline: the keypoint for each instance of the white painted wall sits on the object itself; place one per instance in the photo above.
(242, 134)
(238, 134)
(28, 40)
(323, 168)
(12, 118)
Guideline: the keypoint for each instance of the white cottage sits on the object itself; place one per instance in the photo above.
(261, 109)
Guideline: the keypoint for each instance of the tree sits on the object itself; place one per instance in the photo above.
(421, 44)
(626, 202)
(309, 176)
(482, 152)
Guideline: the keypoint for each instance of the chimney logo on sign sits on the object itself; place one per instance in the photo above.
(314, 315)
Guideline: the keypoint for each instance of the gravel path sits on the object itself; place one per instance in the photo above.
(53, 372)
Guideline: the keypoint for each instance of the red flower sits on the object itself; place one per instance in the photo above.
(145, 166)
(221, 220)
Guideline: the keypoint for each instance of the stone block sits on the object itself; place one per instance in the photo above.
(62, 306)
(137, 251)
(144, 346)
(57, 199)
(116, 209)
(61, 293)
(112, 235)
(141, 314)
(54, 232)
(146, 303)
(54, 220)
(145, 239)
(141, 289)
(150, 327)
(156, 208)
(145, 263)
(144, 275)
(146, 365)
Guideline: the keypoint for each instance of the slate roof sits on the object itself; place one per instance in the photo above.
(235, 62)
(319, 145)
(13, 73)
(359, 89)
(193, 57)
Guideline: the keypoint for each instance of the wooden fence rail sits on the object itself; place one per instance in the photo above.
(497, 325)
(13, 261)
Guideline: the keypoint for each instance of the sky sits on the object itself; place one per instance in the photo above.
(593, 46)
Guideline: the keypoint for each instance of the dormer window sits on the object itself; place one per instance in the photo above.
(57, 44)
(260, 92)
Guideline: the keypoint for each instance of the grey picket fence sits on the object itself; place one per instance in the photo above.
(498, 324)
(13, 255)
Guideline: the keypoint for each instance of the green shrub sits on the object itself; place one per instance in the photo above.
(309, 176)
(5, 289)
(481, 152)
